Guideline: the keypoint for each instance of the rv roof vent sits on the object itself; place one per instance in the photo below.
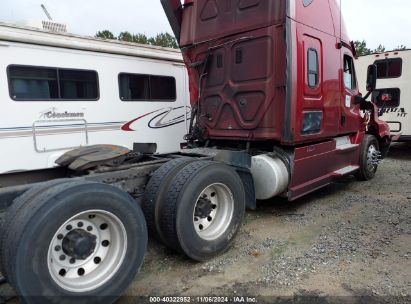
(54, 26)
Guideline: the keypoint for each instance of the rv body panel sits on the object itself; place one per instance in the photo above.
(393, 93)
(34, 133)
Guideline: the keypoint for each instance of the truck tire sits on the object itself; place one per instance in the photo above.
(154, 193)
(13, 210)
(81, 239)
(203, 209)
(369, 154)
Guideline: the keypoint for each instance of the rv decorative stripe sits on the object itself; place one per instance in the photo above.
(52, 130)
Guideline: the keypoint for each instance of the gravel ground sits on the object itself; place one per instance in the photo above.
(349, 242)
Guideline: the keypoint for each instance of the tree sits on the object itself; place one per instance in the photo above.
(125, 36)
(140, 38)
(380, 49)
(401, 48)
(361, 47)
(164, 40)
(106, 34)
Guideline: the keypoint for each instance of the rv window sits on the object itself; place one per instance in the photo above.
(136, 87)
(350, 81)
(389, 68)
(78, 85)
(312, 64)
(30, 83)
(387, 98)
(162, 88)
(37, 83)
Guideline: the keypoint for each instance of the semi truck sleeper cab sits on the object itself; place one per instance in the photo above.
(276, 112)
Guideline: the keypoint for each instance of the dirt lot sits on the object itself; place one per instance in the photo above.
(349, 242)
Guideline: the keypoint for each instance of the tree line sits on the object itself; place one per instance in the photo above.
(162, 39)
(168, 40)
(362, 49)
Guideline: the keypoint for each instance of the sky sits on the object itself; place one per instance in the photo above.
(385, 22)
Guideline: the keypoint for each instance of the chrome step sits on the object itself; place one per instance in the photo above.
(347, 147)
(346, 170)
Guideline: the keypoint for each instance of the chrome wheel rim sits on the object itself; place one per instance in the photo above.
(372, 158)
(213, 211)
(87, 251)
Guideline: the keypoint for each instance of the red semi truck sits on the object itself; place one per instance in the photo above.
(276, 111)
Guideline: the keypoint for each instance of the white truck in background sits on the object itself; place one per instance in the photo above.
(62, 91)
(393, 93)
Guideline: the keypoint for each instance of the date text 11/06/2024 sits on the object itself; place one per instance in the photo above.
(203, 299)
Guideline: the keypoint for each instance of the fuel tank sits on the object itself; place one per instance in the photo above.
(270, 175)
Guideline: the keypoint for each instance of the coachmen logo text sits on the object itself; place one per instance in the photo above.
(54, 114)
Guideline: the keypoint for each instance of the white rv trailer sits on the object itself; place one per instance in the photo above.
(61, 91)
(393, 94)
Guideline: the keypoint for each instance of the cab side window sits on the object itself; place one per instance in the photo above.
(350, 80)
(313, 74)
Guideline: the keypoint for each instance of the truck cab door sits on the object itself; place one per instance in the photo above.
(314, 112)
(350, 119)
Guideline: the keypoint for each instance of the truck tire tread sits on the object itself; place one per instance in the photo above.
(15, 208)
(155, 190)
(168, 214)
(48, 198)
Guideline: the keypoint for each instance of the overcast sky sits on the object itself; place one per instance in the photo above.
(384, 22)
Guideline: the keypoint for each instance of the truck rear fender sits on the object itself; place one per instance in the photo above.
(241, 162)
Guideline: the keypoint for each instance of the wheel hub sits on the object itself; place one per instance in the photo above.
(373, 157)
(213, 211)
(86, 251)
(203, 208)
(79, 244)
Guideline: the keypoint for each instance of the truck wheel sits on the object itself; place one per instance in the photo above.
(18, 203)
(369, 157)
(80, 239)
(154, 193)
(203, 209)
